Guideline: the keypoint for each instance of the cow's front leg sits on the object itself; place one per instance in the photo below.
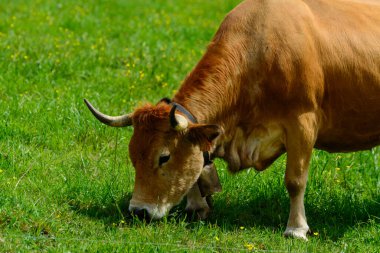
(196, 203)
(300, 141)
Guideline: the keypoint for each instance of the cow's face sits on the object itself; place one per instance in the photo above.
(168, 159)
(167, 153)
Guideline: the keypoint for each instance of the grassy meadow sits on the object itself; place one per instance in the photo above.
(66, 179)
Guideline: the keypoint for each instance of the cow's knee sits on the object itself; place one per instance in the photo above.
(295, 186)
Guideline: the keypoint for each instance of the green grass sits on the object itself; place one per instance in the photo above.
(65, 179)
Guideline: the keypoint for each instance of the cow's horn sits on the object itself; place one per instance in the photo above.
(178, 122)
(115, 121)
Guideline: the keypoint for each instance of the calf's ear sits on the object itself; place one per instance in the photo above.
(204, 135)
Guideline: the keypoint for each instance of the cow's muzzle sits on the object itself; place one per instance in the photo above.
(149, 211)
(140, 213)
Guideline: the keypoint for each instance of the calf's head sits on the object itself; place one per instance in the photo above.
(166, 151)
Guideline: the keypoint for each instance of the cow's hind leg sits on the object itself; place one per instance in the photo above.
(300, 139)
(196, 204)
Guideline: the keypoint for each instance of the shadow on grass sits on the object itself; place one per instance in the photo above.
(267, 211)
(110, 213)
(330, 217)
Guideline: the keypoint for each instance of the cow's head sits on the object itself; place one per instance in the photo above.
(166, 151)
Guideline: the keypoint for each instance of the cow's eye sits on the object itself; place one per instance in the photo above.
(163, 159)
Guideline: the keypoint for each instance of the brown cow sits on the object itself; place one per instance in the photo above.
(279, 76)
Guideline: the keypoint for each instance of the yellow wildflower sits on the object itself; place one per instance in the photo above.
(158, 78)
(250, 246)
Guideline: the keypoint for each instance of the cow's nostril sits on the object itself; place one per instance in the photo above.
(142, 214)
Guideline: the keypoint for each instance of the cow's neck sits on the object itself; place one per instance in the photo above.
(211, 90)
(217, 92)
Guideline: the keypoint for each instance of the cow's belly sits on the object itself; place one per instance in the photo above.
(259, 148)
(351, 125)
(336, 140)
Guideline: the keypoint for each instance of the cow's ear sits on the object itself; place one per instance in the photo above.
(204, 135)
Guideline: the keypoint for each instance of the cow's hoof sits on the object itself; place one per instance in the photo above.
(299, 233)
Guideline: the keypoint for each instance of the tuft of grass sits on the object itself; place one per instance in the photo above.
(66, 179)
